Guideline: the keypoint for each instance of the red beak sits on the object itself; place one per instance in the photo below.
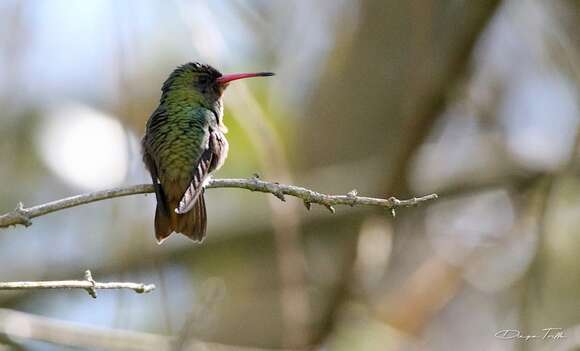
(235, 76)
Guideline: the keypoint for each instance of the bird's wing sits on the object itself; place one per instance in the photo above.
(152, 167)
(207, 163)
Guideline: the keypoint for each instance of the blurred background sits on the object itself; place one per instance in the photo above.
(476, 100)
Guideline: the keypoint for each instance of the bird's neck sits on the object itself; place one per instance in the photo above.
(179, 103)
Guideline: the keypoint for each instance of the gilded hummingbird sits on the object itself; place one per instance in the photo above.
(184, 143)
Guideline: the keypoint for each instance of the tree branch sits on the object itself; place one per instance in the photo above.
(89, 284)
(20, 326)
(22, 215)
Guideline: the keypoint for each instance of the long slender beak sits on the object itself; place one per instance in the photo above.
(235, 76)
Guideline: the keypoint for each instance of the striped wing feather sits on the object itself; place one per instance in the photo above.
(210, 160)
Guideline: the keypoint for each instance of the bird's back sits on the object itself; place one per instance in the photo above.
(176, 138)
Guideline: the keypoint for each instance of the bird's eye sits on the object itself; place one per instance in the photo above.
(202, 80)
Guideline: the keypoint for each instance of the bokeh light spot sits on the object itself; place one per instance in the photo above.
(85, 147)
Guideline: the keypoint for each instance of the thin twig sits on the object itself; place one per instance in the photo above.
(22, 215)
(88, 284)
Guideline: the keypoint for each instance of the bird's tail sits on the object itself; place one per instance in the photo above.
(192, 224)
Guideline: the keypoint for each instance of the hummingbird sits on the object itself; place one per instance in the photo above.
(184, 143)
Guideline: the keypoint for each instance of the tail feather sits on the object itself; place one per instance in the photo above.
(163, 227)
(192, 224)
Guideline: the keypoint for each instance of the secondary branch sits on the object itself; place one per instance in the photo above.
(88, 284)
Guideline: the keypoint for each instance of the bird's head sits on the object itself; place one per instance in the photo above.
(200, 83)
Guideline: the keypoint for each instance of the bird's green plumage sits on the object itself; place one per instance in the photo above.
(178, 141)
